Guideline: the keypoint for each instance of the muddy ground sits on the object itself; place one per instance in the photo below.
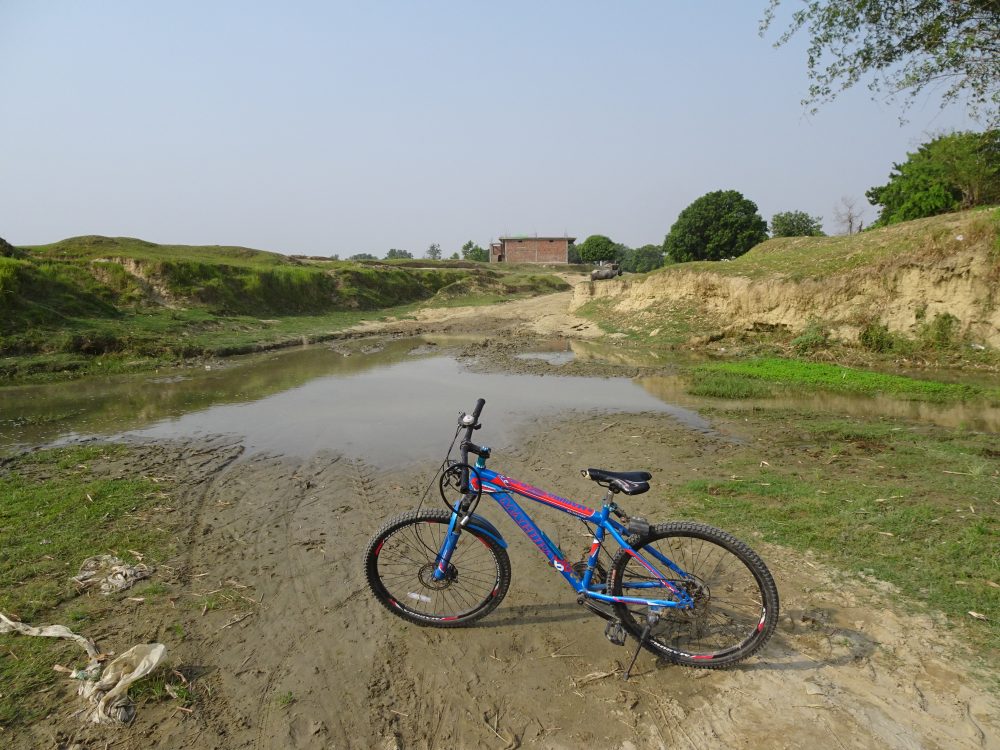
(295, 653)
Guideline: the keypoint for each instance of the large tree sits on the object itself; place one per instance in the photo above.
(908, 46)
(717, 225)
(641, 259)
(597, 248)
(948, 173)
(796, 224)
(395, 254)
(434, 251)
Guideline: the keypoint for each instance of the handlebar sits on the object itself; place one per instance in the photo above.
(470, 425)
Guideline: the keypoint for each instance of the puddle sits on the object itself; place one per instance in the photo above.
(398, 400)
(970, 416)
(392, 398)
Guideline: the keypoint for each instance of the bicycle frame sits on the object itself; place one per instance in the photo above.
(502, 489)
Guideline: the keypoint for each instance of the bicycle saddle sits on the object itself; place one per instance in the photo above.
(629, 482)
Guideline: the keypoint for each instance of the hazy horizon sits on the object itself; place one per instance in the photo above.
(331, 128)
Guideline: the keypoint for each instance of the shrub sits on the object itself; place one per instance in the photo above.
(875, 337)
(815, 336)
(940, 332)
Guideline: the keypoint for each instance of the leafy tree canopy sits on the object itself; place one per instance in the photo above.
(472, 251)
(717, 225)
(397, 254)
(573, 254)
(641, 259)
(363, 256)
(904, 46)
(948, 173)
(434, 251)
(7, 250)
(796, 224)
(596, 248)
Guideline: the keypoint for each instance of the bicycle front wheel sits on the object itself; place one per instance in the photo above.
(400, 562)
(735, 600)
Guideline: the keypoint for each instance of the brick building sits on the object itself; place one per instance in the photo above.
(531, 250)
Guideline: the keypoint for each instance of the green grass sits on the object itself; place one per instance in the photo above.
(724, 385)
(111, 305)
(56, 512)
(913, 506)
(799, 258)
(666, 327)
(756, 373)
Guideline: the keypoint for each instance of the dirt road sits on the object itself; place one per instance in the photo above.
(268, 616)
(543, 316)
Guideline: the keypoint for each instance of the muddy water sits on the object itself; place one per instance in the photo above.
(968, 416)
(393, 398)
(396, 399)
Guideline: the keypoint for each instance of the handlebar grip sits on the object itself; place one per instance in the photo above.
(479, 408)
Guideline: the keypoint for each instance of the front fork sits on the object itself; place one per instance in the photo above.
(450, 541)
(458, 518)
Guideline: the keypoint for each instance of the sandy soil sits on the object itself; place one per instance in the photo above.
(299, 655)
(543, 316)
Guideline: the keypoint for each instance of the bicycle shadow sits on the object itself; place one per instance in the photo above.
(809, 639)
(536, 614)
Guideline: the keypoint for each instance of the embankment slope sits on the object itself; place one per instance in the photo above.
(901, 277)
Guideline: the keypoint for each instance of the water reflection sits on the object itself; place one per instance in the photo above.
(37, 414)
(972, 416)
(407, 410)
(398, 396)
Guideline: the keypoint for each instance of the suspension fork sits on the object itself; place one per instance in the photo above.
(450, 541)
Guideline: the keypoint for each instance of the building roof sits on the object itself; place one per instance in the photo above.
(536, 237)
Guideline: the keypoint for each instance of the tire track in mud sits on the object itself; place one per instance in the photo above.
(290, 529)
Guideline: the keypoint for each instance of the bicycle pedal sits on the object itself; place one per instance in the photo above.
(615, 633)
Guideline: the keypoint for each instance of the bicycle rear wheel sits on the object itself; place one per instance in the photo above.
(400, 562)
(735, 600)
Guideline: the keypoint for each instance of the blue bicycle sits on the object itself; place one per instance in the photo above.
(688, 592)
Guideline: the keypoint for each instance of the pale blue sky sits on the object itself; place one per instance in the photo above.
(327, 127)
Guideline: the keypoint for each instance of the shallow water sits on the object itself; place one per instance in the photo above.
(398, 398)
(976, 416)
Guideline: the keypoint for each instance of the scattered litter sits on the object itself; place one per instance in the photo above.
(978, 615)
(48, 631)
(110, 573)
(109, 694)
(107, 689)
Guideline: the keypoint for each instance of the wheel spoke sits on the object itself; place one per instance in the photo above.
(723, 579)
(402, 573)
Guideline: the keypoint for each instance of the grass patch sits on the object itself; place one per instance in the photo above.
(801, 258)
(49, 526)
(912, 506)
(114, 305)
(728, 385)
(817, 375)
(665, 326)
